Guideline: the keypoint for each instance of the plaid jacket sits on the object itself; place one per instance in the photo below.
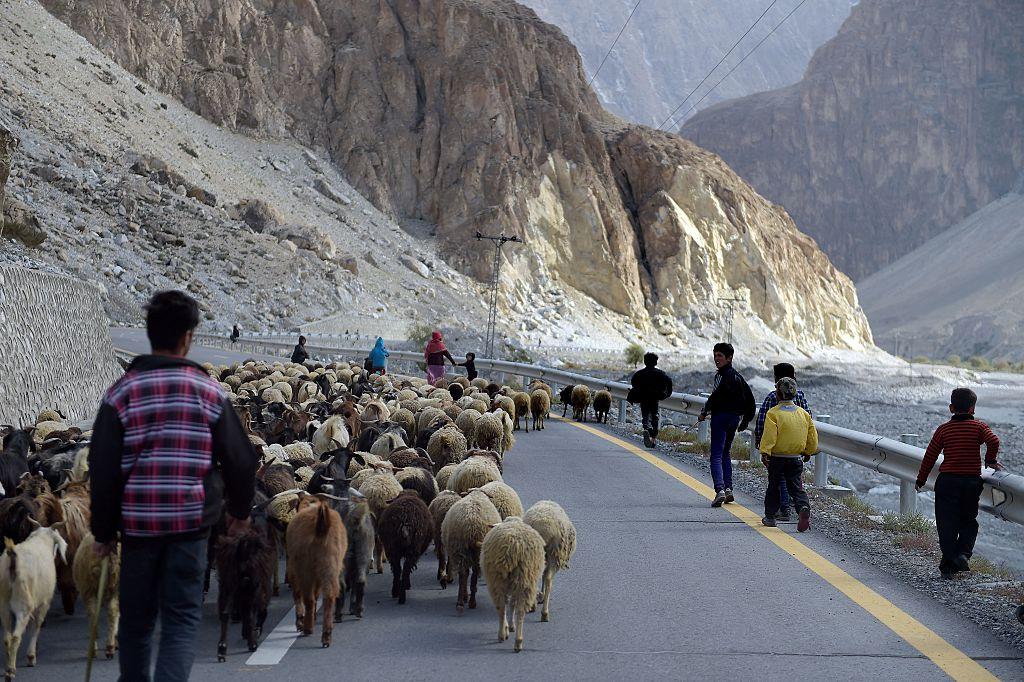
(771, 401)
(161, 432)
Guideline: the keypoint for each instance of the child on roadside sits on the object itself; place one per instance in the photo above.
(958, 486)
(788, 441)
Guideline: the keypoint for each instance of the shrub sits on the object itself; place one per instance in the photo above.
(922, 360)
(1002, 366)
(979, 363)
(858, 506)
(672, 434)
(980, 564)
(634, 354)
(419, 333)
(954, 360)
(914, 524)
(916, 542)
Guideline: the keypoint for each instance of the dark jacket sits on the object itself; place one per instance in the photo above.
(650, 385)
(731, 395)
(167, 447)
(470, 366)
(300, 354)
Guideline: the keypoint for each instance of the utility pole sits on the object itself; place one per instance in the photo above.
(492, 315)
(730, 310)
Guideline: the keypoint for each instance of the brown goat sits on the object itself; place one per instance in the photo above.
(406, 529)
(316, 543)
(76, 515)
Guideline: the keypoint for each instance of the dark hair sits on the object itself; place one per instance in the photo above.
(725, 349)
(169, 316)
(784, 369)
(471, 355)
(302, 339)
(650, 359)
(963, 399)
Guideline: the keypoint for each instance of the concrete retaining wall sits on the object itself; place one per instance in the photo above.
(55, 349)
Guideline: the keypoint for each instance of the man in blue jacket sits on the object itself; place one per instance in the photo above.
(731, 407)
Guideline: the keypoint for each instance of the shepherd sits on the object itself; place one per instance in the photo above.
(435, 354)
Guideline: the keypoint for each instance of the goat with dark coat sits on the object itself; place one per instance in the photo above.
(565, 395)
(14, 459)
(406, 528)
(245, 572)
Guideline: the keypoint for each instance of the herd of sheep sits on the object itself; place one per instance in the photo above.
(356, 470)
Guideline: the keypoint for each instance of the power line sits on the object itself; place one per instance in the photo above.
(614, 43)
(792, 12)
(708, 75)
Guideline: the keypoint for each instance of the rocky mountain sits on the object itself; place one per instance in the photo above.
(909, 120)
(669, 45)
(466, 116)
(959, 293)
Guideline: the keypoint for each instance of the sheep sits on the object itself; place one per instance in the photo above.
(505, 499)
(86, 567)
(494, 431)
(448, 445)
(513, 559)
(425, 417)
(300, 454)
(419, 480)
(457, 390)
(359, 529)
(522, 405)
(438, 508)
(27, 581)
(473, 472)
(277, 477)
(538, 385)
(331, 436)
(316, 544)
(453, 411)
(580, 398)
(479, 383)
(380, 489)
(602, 406)
(467, 424)
(424, 435)
(462, 532)
(540, 406)
(565, 397)
(506, 404)
(406, 529)
(444, 475)
(245, 575)
(553, 524)
(406, 419)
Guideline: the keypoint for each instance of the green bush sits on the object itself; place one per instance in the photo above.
(419, 333)
(634, 354)
(979, 363)
(922, 360)
(1002, 366)
(672, 434)
(859, 506)
(913, 524)
(954, 360)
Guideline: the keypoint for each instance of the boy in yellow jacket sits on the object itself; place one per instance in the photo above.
(789, 440)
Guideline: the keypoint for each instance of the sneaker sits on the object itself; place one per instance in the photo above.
(947, 576)
(805, 520)
(728, 496)
(783, 516)
(719, 499)
(648, 439)
(961, 564)
(765, 521)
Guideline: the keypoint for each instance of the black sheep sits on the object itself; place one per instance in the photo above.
(565, 395)
(14, 459)
(406, 529)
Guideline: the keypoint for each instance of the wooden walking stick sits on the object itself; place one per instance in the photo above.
(95, 624)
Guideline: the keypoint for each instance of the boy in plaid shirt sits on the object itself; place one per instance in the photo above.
(783, 369)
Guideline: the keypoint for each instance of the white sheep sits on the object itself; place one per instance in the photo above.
(513, 559)
(550, 520)
(28, 577)
(494, 432)
(505, 498)
(462, 532)
(474, 472)
(379, 489)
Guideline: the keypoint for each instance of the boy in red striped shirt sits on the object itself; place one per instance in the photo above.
(958, 487)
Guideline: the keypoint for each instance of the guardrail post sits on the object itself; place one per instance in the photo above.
(908, 496)
(704, 427)
(622, 410)
(821, 460)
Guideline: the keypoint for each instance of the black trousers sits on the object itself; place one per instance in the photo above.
(956, 516)
(789, 470)
(649, 416)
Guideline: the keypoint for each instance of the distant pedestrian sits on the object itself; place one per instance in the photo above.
(379, 358)
(300, 354)
(789, 435)
(731, 406)
(235, 333)
(958, 487)
(435, 354)
(650, 386)
(470, 365)
(782, 370)
(166, 442)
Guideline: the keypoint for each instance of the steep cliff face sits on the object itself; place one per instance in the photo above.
(475, 115)
(670, 45)
(909, 120)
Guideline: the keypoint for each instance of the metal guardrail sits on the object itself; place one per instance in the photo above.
(1003, 494)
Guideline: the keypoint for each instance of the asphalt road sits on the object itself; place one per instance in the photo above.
(662, 586)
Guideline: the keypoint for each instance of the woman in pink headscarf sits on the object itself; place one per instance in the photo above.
(435, 354)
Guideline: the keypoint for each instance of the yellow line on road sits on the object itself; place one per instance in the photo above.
(951, 660)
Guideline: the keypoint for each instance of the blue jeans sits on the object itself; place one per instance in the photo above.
(160, 576)
(723, 430)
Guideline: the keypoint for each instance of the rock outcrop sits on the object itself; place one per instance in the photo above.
(911, 119)
(8, 143)
(475, 116)
(670, 45)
